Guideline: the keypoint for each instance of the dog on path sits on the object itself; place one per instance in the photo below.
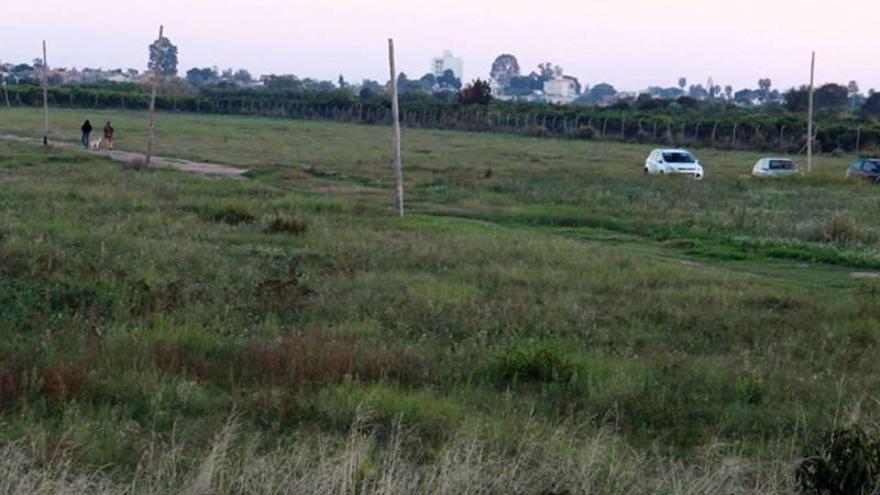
(95, 145)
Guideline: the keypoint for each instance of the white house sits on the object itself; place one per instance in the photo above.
(447, 61)
(560, 90)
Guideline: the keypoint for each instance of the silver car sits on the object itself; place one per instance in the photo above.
(775, 167)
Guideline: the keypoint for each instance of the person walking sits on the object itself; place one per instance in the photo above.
(86, 130)
(108, 135)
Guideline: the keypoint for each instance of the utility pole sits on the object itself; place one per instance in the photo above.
(5, 90)
(395, 116)
(810, 116)
(859, 140)
(151, 126)
(45, 97)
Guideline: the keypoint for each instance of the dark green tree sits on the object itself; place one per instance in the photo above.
(764, 85)
(600, 92)
(523, 85)
(242, 76)
(832, 97)
(698, 92)
(198, 77)
(405, 84)
(478, 92)
(427, 82)
(163, 57)
(504, 68)
(448, 81)
(872, 105)
(797, 99)
(285, 82)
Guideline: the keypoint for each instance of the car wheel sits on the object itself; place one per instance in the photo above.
(646, 171)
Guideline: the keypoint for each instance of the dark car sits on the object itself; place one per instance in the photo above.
(865, 168)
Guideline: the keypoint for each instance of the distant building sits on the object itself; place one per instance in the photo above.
(447, 61)
(560, 90)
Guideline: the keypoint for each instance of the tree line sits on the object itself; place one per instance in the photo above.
(673, 123)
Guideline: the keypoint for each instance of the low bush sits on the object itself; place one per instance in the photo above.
(533, 362)
(283, 223)
(752, 389)
(232, 215)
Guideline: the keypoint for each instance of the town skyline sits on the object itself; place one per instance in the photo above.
(594, 48)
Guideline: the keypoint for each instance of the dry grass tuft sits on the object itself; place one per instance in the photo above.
(284, 223)
(839, 229)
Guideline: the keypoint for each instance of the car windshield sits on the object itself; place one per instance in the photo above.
(678, 157)
(781, 165)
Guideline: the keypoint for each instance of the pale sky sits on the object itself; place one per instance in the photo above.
(629, 43)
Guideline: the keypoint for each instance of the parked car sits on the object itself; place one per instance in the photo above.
(865, 168)
(775, 167)
(673, 162)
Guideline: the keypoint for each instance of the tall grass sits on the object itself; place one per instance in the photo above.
(490, 332)
(542, 461)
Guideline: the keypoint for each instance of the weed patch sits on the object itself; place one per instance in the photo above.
(283, 223)
(533, 362)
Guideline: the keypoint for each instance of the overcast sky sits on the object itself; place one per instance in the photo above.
(629, 43)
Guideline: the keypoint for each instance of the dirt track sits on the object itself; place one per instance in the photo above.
(156, 162)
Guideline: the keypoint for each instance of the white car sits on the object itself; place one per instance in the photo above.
(775, 167)
(673, 162)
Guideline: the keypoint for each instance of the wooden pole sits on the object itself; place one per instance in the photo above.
(151, 126)
(45, 97)
(5, 90)
(858, 140)
(395, 115)
(810, 116)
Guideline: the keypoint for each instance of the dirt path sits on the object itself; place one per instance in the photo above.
(156, 162)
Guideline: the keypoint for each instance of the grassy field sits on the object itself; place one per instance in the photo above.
(546, 318)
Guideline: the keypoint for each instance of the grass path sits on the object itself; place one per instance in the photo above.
(156, 162)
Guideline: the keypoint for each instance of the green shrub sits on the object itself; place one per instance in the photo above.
(533, 362)
(752, 389)
(282, 223)
(844, 461)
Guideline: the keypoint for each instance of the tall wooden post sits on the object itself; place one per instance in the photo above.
(395, 118)
(45, 97)
(151, 126)
(810, 115)
(5, 90)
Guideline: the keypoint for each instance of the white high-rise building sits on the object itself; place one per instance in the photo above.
(447, 61)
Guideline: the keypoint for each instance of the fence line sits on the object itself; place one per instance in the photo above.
(679, 132)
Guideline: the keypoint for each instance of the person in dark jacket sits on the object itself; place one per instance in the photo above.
(109, 131)
(86, 130)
